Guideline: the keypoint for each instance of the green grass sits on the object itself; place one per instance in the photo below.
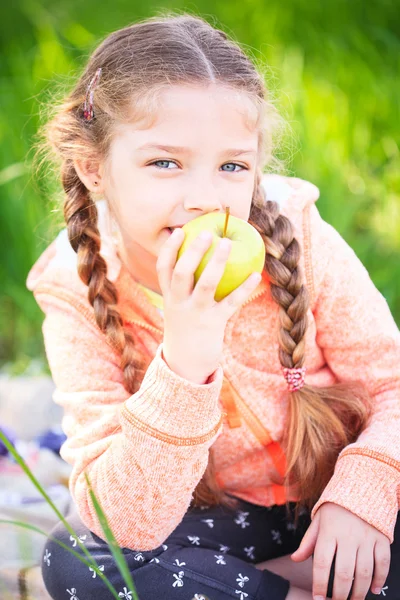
(89, 561)
(333, 67)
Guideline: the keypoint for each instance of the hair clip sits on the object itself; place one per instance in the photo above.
(88, 113)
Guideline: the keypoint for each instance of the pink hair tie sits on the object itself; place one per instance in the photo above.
(88, 112)
(294, 377)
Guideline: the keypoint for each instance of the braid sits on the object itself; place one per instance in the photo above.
(322, 420)
(281, 263)
(287, 288)
(80, 214)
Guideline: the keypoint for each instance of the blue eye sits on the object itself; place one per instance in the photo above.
(235, 165)
(162, 161)
(172, 162)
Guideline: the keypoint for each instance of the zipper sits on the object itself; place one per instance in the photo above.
(262, 288)
(252, 421)
(259, 431)
(273, 448)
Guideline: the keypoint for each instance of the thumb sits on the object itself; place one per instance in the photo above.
(306, 548)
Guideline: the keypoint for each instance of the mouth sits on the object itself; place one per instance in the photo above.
(171, 229)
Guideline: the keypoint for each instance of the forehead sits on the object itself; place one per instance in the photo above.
(211, 101)
(193, 113)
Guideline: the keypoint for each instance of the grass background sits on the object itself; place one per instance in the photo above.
(334, 69)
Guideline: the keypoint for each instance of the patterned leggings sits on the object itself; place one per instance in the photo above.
(211, 555)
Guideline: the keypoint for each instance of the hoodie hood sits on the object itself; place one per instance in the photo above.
(58, 263)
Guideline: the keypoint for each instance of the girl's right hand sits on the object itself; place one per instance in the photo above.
(194, 323)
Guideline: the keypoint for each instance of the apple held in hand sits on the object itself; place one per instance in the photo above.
(247, 253)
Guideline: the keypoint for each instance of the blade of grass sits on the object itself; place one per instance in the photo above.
(100, 515)
(70, 550)
(35, 482)
(112, 542)
(12, 172)
(42, 532)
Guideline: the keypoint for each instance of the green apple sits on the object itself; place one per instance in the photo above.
(247, 253)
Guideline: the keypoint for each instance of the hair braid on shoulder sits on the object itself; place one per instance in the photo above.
(287, 287)
(321, 420)
(281, 262)
(81, 215)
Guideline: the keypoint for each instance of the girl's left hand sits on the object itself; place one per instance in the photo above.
(361, 551)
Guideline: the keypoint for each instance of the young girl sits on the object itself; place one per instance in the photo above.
(212, 450)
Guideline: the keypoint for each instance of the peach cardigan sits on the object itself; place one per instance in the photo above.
(145, 453)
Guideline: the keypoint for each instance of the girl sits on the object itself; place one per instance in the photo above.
(212, 451)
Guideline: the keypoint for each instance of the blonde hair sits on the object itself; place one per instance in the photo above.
(137, 62)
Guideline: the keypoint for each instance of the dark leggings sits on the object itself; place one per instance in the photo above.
(211, 555)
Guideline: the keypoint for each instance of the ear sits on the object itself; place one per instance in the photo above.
(90, 173)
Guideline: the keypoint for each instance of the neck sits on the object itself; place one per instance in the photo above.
(143, 274)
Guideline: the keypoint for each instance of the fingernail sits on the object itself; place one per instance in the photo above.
(225, 243)
(376, 591)
(319, 597)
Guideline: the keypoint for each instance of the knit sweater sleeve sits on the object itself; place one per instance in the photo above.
(360, 341)
(143, 453)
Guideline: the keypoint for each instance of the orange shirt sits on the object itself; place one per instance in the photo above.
(145, 453)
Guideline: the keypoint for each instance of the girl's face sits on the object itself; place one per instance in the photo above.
(198, 156)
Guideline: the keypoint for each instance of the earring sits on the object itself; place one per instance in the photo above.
(95, 183)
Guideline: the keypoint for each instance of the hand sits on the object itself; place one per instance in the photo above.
(362, 553)
(194, 323)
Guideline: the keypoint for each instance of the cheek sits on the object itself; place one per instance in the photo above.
(240, 198)
(144, 222)
(240, 208)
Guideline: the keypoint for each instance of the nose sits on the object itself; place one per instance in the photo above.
(203, 199)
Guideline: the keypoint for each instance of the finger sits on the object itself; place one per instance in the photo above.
(206, 286)
(382, 558)
(322, 562)
(345, 565)
(182, 280)
(236, 298)
(307, 545)
(363, 571)
(167, 259)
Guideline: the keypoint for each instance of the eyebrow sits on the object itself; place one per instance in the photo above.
(183, 150)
